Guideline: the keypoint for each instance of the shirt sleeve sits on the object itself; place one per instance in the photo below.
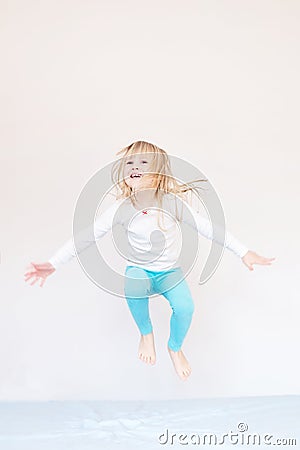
(85, 238)
(205, 228)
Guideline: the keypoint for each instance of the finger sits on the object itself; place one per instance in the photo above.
(30, 267)
(268, 259)
(261, 260)
(42, 282)
(28, 278)
(29, 273)
(34, 281)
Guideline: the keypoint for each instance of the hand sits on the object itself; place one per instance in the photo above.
(39, 271)
(253, 258)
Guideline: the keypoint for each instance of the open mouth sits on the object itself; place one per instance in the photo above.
(136, 175)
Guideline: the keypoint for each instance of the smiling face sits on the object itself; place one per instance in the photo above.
(136, 171)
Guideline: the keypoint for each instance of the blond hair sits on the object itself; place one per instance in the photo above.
(164, 181)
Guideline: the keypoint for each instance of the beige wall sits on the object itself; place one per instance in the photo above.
(213, 82)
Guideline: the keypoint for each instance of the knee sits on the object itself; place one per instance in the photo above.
(184, 309)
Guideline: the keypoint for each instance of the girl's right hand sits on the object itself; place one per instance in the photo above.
(38, 271)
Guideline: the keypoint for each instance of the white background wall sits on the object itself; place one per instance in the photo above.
(213, 82)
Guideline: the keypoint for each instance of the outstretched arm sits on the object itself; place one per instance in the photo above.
(40, 271)
(205, 228)
(86, 237)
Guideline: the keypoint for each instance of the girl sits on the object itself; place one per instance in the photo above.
(145, 182)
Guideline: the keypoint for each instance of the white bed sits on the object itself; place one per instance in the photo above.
(110, 425)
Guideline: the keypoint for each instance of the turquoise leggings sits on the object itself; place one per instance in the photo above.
(140, 283)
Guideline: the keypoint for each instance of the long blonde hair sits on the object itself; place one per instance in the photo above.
(164, 181)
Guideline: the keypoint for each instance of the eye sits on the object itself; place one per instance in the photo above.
(145, 162)
(129, 162)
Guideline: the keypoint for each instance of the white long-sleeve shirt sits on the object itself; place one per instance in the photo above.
(149, 247)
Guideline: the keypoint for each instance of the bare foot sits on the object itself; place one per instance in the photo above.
(181, 364)
(146, 349)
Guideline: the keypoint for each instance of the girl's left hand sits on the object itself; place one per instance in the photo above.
(253, 258)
